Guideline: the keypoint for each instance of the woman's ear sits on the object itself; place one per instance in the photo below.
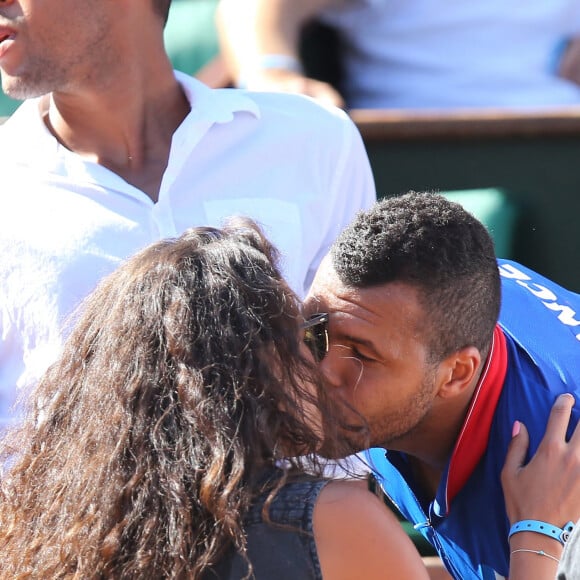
(459, 372)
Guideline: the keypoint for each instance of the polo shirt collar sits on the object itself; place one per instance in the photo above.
(215, 105)
(474, 436)
(208, 106)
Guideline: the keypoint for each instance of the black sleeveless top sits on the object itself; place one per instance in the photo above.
(276, 552)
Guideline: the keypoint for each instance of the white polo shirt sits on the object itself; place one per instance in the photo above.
(299, 169)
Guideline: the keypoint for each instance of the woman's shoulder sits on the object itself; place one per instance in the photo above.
(357, 535)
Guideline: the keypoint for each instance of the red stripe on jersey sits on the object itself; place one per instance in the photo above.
(474, 435)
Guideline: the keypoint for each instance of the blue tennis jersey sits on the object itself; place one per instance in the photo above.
(535, 356)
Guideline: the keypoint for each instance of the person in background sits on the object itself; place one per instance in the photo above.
(412, 54)
(442, 348)
(112, 150)
(170, 438)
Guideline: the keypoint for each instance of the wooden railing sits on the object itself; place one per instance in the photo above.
(465, 123)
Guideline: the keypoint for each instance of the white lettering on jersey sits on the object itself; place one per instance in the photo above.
(566, 315)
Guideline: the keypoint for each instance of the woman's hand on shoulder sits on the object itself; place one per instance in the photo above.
(357, 536)
(547, 487)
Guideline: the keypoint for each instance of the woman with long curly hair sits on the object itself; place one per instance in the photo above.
(166, 440)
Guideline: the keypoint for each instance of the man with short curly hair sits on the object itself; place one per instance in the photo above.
(418, 344)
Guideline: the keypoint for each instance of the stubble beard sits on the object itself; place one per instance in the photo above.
(391, 430)
(355, 433)
(394, 429)
(40, 78)
(64, 69)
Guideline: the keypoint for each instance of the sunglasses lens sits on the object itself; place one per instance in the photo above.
(316, 336)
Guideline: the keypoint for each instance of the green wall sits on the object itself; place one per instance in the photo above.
(541, 176)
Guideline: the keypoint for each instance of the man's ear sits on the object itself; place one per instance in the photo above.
(458, 373)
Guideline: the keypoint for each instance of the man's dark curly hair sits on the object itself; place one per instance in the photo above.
(183, 380)
(436, 246)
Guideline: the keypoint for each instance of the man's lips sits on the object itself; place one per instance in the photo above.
(6, 34)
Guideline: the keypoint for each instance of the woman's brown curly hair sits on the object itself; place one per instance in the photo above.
(145, 443)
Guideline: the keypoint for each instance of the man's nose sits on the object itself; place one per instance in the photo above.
(331, 369)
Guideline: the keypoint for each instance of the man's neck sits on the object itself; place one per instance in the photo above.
(430, 446)
(427, 477)
(127, 129)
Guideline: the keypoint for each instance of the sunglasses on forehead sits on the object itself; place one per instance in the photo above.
(316, 335)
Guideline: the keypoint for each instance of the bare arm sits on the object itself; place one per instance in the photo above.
(570, 63)
(357, 536)
(546, 489)
(250, 29)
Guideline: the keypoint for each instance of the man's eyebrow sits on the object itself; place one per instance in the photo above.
(362, 342)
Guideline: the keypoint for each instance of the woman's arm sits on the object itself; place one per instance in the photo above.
(547, 489)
